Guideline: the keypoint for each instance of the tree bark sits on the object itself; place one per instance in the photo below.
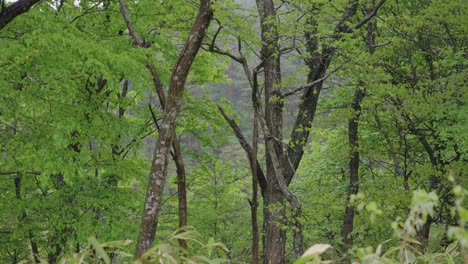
(176, 156)
(7, 14)
(177, 152)
(158, 173)
(274, 198)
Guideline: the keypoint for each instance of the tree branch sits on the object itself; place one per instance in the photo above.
(247, 148)
(136, 39)
(369, 16)
(305, 86)
(12, 11)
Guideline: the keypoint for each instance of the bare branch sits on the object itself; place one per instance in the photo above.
(217, 50)
(136, 39)
(369, 16)
(381, 44)
(247, 148)
(305, 86)
(157, 85)
(16, 172)
(87, 11)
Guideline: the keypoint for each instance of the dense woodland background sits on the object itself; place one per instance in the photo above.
(339, 122)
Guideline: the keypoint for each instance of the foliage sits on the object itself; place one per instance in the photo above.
(75, 148)
(167, 251)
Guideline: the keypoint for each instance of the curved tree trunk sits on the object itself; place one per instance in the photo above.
(158, 174)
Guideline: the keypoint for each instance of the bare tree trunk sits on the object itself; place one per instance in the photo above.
(34, 248)
(158, 173)
(274, 233)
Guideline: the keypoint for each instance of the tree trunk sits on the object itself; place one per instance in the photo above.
(274, 239)
(176, 156)
(158, 174)
(254, 202)
(274, 198)
(353, 139)
(181, 188)
(353, 125)
(281, 161)
(422, 234)
(7, 14)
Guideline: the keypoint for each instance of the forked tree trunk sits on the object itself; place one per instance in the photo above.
(274, 198)
(158, 173)
(281, 161)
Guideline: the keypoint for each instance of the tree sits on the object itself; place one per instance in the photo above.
(422, 91)
(61, 122)
(282, 159)
(353, 141)
(158, 173)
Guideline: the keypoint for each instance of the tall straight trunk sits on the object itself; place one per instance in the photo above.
(181, 188)
(353, 142)
(158, 173)
(274, 239)
(274, 200)
(254, 202)
(353, 125)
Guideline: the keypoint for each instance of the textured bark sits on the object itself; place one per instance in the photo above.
(158, 173)
(274, 200)
(177, 152)
(19, 7)
(176, 156)
(181, 188)
(274, 240)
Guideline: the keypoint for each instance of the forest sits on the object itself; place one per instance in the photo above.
(228, 131)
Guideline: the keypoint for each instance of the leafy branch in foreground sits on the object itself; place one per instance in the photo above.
(167, 251)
